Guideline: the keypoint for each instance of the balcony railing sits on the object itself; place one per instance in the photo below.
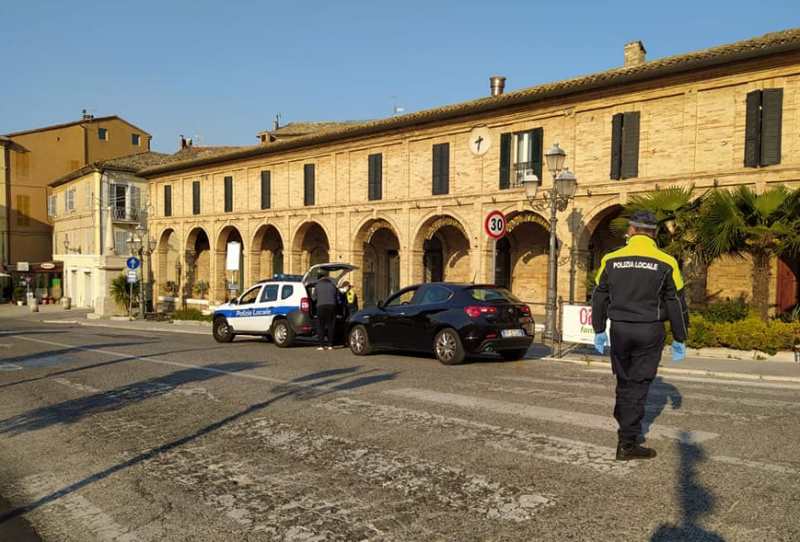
(121, 213)
(521, 169)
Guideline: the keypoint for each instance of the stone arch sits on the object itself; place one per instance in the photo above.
(168, 255)
(521, 256)
(310, 246)
(442, 250)
(266, 252)
(596, 240)
(198, 262)
(228, 284)
(376, 252)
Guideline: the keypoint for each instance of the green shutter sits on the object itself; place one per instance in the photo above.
(441, 168)
(167, 200)
(228, 194)
(537, 151)
(630, 145)
(375, 177)
(505, 160)
(266, 189)
(771, 121)
(752, 130)
(616, 145)
(196, 197)
(308, 184)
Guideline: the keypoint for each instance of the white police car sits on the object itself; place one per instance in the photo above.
(280, 308)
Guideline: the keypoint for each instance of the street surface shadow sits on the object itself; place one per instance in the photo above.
(54, 357)
(101, 364)
(73, 410)
(696, 501)
(301, 388)
(15, 332)
(661, 393)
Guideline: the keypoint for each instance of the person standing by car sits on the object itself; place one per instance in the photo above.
(326, 297)
(350, 299)
(638, 288)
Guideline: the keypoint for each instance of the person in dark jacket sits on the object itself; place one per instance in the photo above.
(326, 298)
(638, 288)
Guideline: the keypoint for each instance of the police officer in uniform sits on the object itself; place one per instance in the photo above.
(638, 288)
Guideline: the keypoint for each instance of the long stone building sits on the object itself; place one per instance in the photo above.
(404, 198)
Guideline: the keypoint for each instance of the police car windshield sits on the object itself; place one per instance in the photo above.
(484, 293)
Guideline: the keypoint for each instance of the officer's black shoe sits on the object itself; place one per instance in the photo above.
(629, 452)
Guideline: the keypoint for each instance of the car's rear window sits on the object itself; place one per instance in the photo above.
(480, 293)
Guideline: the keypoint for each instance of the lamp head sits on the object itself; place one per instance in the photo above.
(555, 157)
(566, 183)
(531, 185)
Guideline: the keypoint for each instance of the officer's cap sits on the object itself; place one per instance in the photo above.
(643, 219)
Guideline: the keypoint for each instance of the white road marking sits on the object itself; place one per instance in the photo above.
(77, 508)
(76, 385)
(580, 419)
(727, 382)
(9, 367)
(781, 469)
(549, 448)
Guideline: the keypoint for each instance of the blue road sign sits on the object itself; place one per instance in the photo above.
(133, 262)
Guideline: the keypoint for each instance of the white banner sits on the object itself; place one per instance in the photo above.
(232, 256)
(576, 324)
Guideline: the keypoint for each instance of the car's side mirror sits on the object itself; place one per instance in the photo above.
(234, 301)
(381, 304)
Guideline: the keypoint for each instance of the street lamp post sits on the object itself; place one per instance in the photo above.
(140, 244)
(555, 199)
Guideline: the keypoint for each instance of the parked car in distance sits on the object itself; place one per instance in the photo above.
(280, 308)
(447, 319)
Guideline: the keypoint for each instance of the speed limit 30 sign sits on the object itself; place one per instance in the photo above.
(495, 225)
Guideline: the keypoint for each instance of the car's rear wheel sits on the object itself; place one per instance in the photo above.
(222, 331)
(448, 348)
(282, 334)
(359, 341)
(514, 355)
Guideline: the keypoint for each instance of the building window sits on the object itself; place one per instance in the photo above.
(195, 197)
(521, 155)
(375, 177)
(136, 140)
(69, 200)
(167, 200)
(228, 194)
(762, 133)
(266, 190)
(23, 210)
(51, 205)
(441, 168)
(120, 242)
(102, 134)
(625, 145)
(308, 184)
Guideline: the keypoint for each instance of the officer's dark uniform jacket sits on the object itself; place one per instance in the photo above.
(640, 283)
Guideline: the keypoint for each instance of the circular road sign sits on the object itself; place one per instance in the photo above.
(133, 262)
(495, 225)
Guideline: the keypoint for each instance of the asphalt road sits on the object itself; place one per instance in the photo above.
(125, 435)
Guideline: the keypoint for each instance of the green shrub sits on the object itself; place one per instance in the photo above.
(752, 333)
(729, 310)
(792, 315)
(190, 314)
(121, 290)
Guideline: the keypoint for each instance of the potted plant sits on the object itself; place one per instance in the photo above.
(19, 294)
(171, 288)
(201, 288)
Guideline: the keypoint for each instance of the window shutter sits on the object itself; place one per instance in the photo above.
(441, 168)
(228, 194)
(136, 203)
(167, 200)
(630, 145)
(308, 184)
(616, 145)
(196, 197)
(771, 120)
(266, 189)
(537, 151)
(752, 130)
(375, 175)
(505, 160)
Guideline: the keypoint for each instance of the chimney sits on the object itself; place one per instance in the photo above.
(497, 83)
(85, 115)
(634, 54)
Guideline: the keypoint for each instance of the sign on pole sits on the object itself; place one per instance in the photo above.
(576, 324)
(495, 225)
(232, 256)
(133, 277)
(133, 262)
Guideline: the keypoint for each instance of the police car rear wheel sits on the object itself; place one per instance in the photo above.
(448, 348)
(222, 331)
(282, 334)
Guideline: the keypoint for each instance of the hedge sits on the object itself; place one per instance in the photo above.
(749, 334)
(191, 314)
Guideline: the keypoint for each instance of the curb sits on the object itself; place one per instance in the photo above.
(692, 372)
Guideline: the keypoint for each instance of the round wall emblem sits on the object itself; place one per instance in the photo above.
(480, 141)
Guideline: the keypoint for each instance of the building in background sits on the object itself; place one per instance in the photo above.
(30, 160)
(405, 197)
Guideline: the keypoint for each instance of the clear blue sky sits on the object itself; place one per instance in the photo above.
(221, 69)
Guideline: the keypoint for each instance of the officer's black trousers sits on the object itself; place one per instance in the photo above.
(635, 354)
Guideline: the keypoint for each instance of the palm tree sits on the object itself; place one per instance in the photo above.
(676, 209)
(742, 222)
(120, 291)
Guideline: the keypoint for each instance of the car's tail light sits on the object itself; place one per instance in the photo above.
(526, 310)
(305, 305)
(475, 311)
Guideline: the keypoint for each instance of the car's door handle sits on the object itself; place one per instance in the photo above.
(401, 314)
